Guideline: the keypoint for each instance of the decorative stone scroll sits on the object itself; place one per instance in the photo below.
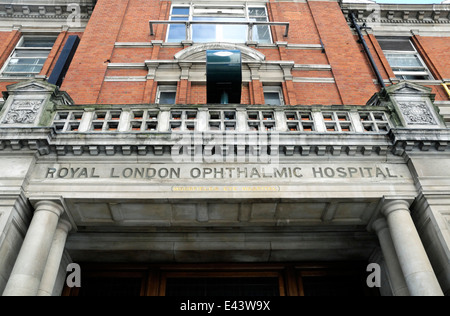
(417, 113)
(23, 112)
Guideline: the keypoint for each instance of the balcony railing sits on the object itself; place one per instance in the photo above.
(175, 118)
(249, 24)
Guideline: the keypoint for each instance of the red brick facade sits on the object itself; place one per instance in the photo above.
(9, 40)
(350, 81)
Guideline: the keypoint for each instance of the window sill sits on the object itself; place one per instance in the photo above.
(191, 43)
(19, 78)
(421, 82)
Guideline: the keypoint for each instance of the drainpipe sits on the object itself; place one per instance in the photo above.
(366, 49)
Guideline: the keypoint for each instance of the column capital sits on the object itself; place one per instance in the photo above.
(395, 204)
(49, 206)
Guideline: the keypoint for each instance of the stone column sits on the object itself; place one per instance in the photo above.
(32, 259)
(397, 280)
(54, 259)
(416, 266)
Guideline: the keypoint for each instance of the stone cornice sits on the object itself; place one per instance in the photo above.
(45, 10)
(45, 141)
(398, 13)
(407, 140)
(401, 118)
(397, 141)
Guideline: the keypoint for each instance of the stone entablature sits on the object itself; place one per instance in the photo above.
(45, 16)
(37, 116)
(393, 13)
(45, 9)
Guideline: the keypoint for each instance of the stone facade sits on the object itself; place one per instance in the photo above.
(85, 180)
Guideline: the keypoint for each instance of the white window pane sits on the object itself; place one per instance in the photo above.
(23, 68)
(234, 33)
(177, 33)
(180, 11)
(272, 98)
(27, 61)
(31, 53)
(257, 12)
(38, 42)
(413, 77)
(403, 60)
(238, 12)
(397, 43)
(24, 75)
(203, 33)
(221, 32)
(261, 34)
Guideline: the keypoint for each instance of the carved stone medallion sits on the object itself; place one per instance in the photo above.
(23, 112)
(417, 113)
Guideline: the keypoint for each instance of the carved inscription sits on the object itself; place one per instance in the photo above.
(23, 112)
(294, 172)
(417, 113)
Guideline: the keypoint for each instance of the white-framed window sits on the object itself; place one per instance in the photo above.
(166, 94)
(273, 95)
(228, 32)
(28, 56)
(403, 58)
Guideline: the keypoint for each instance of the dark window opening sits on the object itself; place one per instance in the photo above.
(350, 286)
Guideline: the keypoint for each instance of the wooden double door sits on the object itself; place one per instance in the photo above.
(243, 280)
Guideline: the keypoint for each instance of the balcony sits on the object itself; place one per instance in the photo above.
(222, 129)
(222, 119)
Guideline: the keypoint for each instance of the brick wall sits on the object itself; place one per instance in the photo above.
(351, 68)
(56, 52)
(8, 40)
(435, 51)
(122, 92)
(84, 79)
(127, 21)
(313, 22)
